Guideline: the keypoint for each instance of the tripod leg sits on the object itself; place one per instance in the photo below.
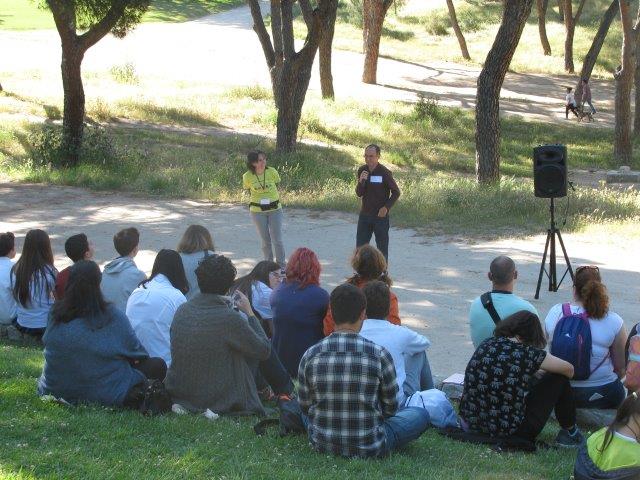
(553, 280)
(566, 256)
(544, 261)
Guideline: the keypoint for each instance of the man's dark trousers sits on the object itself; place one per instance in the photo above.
(373, 225)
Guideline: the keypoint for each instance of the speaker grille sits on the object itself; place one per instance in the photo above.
(550, 171)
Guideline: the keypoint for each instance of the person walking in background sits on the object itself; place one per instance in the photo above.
(265, 206)
(8, 306)
(570, 104)
(298, 307)
(77, 247)
(91, 354)
(153, 304)
(33, 280)
(379, 192)
(121, 276)
(586, 94)
(195, 244)
(602, 388)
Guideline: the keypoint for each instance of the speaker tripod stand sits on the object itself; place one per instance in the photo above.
(550, 247)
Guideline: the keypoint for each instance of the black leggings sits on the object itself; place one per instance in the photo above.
(153, 368)
(551, 392)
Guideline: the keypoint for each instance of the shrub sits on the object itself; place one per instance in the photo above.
(254, 92)
(438, 23)
(125, 74)
(426, 107)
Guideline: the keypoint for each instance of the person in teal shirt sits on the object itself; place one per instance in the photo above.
(503, 275)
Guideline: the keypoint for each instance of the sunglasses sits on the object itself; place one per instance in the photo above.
(587, 267)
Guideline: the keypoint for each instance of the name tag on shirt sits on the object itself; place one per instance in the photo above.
(375, 178)
(265, 201)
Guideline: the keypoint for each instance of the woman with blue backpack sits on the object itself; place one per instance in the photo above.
(592, 338)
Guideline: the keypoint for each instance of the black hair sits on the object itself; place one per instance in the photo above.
(169, 264)
(252, 158)
(7, 243)
(76, 246)
(260, 273)
(125, 241)
(82, 296)
(347, 303)
(375, 147)
(378, 299)
(524, 325)
(215, 274)
(33, 268)
(626, 410)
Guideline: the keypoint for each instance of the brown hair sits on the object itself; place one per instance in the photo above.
(628, 409)
(590, 290)
(196, 238)
(369, 264)
(524, 325)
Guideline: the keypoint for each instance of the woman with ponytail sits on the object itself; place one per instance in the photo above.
(369, 264)
(603, 389)
(614, 449)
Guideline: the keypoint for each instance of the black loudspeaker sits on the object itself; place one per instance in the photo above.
(550, 171)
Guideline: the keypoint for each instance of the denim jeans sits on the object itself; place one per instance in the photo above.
(404, 427)
(612, 395)
(369, 225)
(271, 372)
(418, 373)
(588, 102)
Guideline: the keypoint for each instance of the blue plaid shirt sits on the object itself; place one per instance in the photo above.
(347, 387)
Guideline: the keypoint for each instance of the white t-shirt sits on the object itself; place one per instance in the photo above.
(603, 332)
(398, 341)
(571, 100)
(260, 300)
(8, 307)
(150, 311)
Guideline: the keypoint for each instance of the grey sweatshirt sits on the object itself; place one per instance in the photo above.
(120, 277)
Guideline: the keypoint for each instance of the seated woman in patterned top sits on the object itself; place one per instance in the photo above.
(512, 385)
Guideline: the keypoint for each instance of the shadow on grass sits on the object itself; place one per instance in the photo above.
(181, 10)
(51, 111)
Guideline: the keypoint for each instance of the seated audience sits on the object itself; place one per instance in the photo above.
(505, 395)
(121, 276)
(603, 388)
(348, 389)
(91, 354)
(298, 307)
(407, 348)
(8, 306)
(369, 264)
(258, 285)
(614, 452)
(153, 304)
(33, 279)
(195, 244)
(217, 351)
(632, 374)
(500, 301)
(77, 247)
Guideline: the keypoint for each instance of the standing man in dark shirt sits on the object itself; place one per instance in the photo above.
(379, 192)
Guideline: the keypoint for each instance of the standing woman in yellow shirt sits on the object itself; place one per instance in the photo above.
(265, 208)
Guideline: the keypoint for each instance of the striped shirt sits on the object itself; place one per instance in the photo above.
(347, 387)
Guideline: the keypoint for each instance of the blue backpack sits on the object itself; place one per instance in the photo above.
(572, 342)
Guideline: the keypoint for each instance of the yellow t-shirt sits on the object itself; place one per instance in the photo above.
(622, 452)
(262, 187)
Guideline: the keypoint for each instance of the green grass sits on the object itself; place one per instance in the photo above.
(410, 37)
(26, 15)
(48, 441)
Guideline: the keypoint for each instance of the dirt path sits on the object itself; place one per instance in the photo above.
(223, 49)
(435, 278)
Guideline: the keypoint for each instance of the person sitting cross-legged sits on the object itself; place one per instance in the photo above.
(407, 348)
(217, 351)
(77, 247)
(348, 390)
(512, 385)
(500, 302)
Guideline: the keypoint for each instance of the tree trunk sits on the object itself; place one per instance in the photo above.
(592, 55)
(489, 85)
(622, 145)
(293, 88)
(570, 23)
(542, 25)
(73, 117)
(325, 49)
(561, 10)
(373, 13)
(636, 78)
(458, 31)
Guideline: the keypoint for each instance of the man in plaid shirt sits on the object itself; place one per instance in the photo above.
(348, 388)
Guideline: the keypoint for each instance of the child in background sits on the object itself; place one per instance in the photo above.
(571, 103)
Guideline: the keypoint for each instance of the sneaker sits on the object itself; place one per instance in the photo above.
(266, 394)
(565, 439)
